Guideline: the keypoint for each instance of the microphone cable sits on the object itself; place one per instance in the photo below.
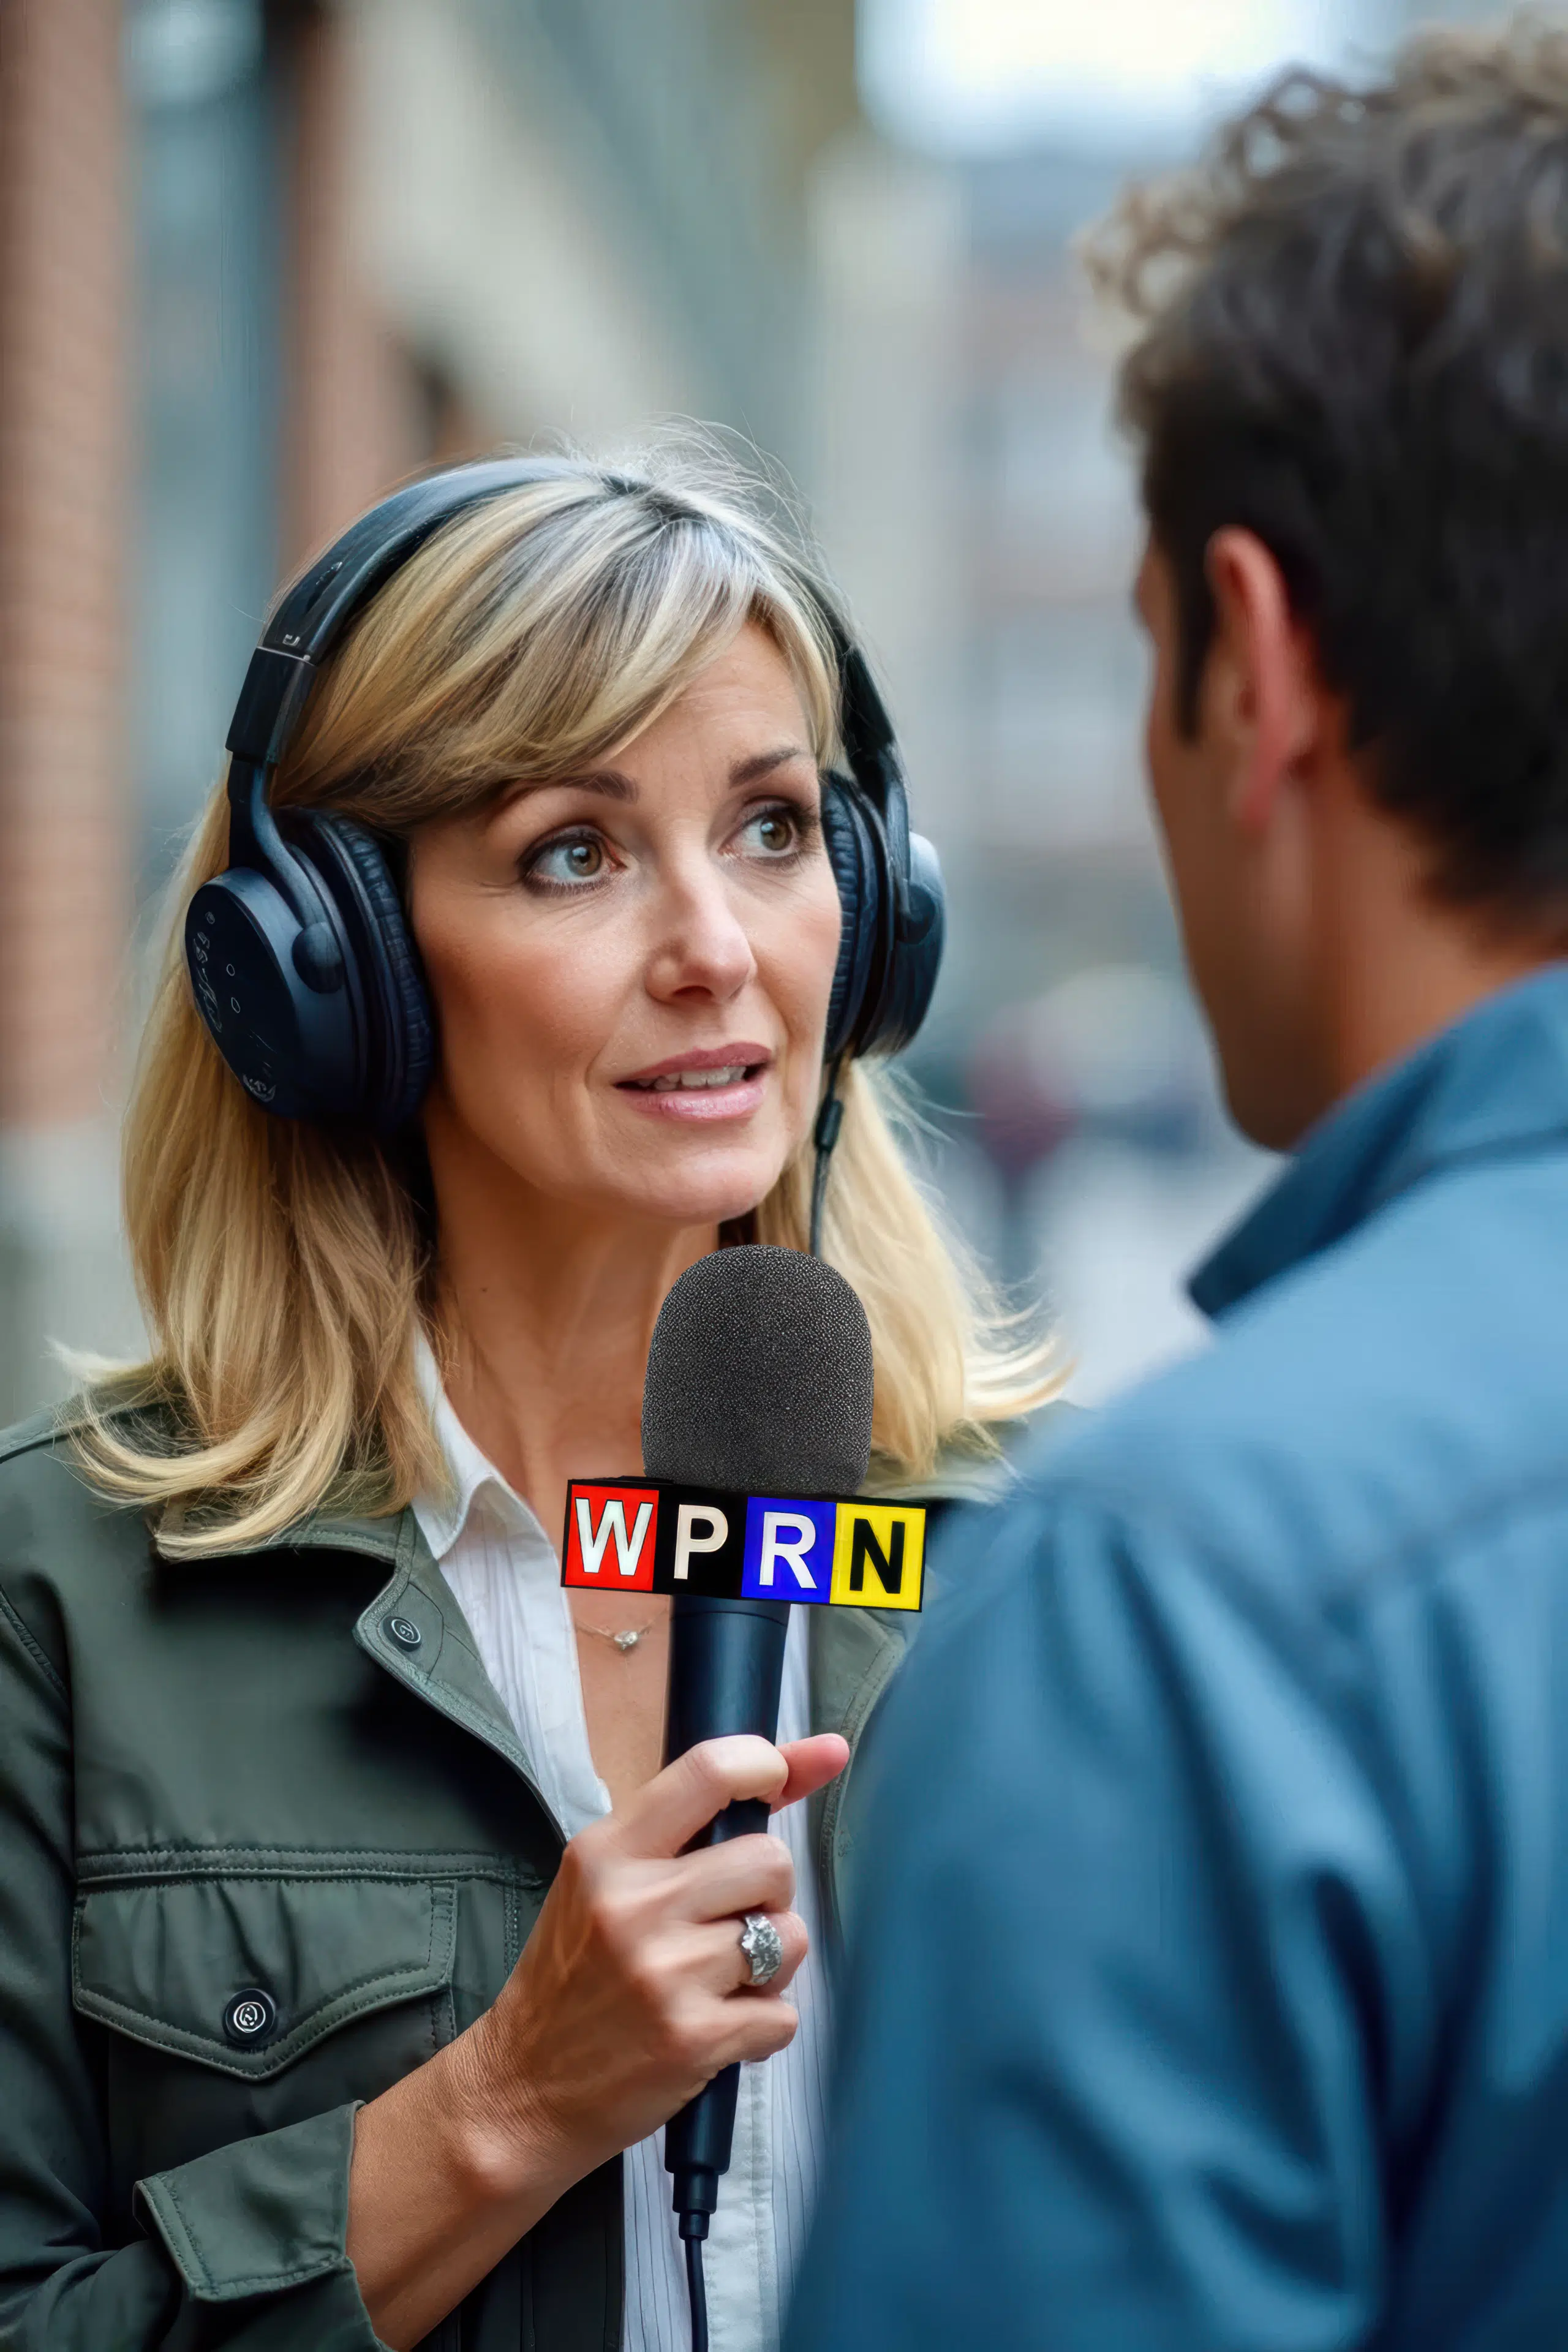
(696, 2285)
(695, 2196)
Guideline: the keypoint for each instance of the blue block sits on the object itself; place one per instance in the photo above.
(789, 1549)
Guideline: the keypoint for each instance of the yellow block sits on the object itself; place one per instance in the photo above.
(879, 1555)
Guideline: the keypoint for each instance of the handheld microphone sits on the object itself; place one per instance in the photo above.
(759, 1380)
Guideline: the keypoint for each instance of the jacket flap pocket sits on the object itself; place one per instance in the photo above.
(244, 1974)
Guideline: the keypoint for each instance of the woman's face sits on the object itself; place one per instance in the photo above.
(631, 970)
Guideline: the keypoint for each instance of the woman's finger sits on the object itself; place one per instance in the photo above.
(686, 1795)
(749, 2026)
(711, 1957)
(794, 1943)
(812, 1764)
(747, 1873)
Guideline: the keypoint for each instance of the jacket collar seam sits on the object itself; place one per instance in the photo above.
(494, 1732)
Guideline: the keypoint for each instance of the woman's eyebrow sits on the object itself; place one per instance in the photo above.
(763, 763)
(615, 786)
(609, 782)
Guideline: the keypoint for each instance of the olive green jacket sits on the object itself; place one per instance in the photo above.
(232, 1776)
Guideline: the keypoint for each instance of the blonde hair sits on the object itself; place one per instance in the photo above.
(286, 1269)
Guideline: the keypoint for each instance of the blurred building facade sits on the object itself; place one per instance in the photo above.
(973, 493)
(260, 259)
(983, 508)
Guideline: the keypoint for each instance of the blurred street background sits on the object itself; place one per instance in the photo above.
(260, 259)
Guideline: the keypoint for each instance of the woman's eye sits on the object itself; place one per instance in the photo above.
(580, 858)
(775, 832)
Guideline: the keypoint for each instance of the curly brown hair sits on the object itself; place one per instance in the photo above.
(1353, 342)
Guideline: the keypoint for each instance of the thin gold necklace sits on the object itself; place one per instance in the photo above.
(625, 1641)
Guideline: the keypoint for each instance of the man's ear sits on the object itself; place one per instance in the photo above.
(1264, 696)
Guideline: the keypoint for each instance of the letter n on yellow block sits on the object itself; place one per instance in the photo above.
(879, 1555)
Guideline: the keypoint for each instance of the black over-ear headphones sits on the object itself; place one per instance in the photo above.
(299, 955)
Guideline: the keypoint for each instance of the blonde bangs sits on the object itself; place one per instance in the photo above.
(535, 637)
(284, 1269)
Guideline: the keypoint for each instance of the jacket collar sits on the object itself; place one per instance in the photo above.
(415, 1629)
(1493, 1085)
(470, 1475)
(854, 1653)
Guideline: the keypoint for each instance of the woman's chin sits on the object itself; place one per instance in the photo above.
(686, 1210)
(713, 1188)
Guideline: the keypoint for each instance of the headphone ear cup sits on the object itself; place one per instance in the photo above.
(851, 853)
(400, 1032)
(293, 1047)
(916, 957)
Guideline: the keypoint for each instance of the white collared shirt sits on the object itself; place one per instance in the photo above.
(505, 1575)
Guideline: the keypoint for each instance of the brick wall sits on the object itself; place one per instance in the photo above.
(63, 785)
(63, 435)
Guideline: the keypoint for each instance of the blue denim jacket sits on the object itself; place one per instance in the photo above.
(1210, 1983)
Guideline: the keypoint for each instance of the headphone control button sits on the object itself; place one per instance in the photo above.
(317, 961)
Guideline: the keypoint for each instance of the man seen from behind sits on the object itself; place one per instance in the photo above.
(1210, 1976)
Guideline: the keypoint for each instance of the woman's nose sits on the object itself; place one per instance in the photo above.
(702, 944)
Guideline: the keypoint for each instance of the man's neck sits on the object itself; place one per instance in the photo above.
(1398, 961)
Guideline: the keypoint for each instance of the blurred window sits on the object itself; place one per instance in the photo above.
(988, 73)
(204, 548)
(1060, 693)
(1059, 489)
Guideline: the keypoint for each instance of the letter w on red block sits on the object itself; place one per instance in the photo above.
(610, 1536)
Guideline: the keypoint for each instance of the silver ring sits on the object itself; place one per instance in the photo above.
(761, 1944)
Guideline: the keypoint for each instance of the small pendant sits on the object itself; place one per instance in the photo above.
(626, 1641)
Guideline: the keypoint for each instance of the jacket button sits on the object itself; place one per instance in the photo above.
(251, 2018)
(406, 1633)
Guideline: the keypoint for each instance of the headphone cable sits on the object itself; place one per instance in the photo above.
(824, 1135)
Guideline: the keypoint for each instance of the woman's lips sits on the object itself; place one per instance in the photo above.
(735, 1102)
(719, 1084)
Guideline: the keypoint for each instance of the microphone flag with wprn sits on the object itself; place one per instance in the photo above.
(639, 1534)
(759, 1381)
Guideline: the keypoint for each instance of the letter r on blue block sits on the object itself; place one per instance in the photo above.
(789, 1549)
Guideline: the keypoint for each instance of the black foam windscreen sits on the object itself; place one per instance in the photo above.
(759, 1377)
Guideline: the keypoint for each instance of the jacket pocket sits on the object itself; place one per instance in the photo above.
(247, 1975)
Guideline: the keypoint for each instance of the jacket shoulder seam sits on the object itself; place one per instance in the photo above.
(1430, 1548)
(33, 1435)
(45, 1429)
(34, 1648)
(1420, 1549)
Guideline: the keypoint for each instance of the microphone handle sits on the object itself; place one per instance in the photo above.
(726, 1664)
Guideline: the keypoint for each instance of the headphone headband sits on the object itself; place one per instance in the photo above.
(310, 617)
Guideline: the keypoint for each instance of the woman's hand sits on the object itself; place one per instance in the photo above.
(631, 1993)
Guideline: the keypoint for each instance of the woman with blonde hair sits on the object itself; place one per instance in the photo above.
(349, 1956)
